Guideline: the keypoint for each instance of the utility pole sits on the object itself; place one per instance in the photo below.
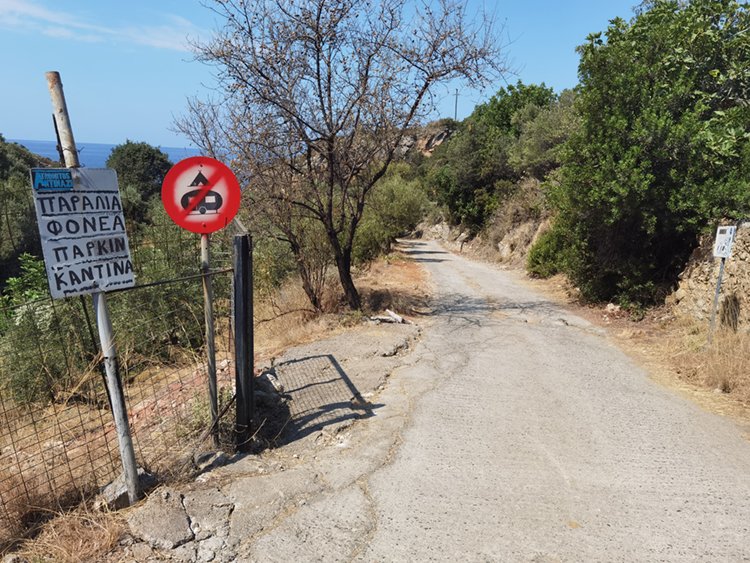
(455, 108)
(104, 324)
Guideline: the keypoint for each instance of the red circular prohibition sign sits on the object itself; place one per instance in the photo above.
(200, 194)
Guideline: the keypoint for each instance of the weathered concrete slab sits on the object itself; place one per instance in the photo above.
(330, 529)
(331, 385)
(161, 520)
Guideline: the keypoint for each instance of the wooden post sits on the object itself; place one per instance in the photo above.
(208, 308)
(103, 322)
(62, 120)
(243, 340)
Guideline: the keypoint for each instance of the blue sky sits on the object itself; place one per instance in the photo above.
(127, 68)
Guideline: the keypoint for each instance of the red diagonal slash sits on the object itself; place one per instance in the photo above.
(196, 200)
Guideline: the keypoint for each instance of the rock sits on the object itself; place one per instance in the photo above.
(267, 399)
(396, 318)
(186, 552)
(208, 549)
(390, 317)
(505, 250)
(694, 297)
(115, 495)
(269, 383)
(393, 350)
(162, 521)
(141, 551)
(613, 309)
(209, 511)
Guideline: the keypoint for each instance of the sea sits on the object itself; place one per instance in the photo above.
(95, 155)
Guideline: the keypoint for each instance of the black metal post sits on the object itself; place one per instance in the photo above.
(243, 339)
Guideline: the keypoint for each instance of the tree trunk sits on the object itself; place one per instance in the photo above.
(344, 266)
(304, 274)
(312, 296)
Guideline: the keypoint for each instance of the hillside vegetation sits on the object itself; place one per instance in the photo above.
(648, 152)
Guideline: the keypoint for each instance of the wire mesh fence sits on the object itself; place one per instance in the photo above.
(58, 442)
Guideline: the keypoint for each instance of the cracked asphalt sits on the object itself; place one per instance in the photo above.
(512, 430)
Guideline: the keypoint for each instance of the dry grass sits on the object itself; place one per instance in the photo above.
(723, 365)
(394, 282)
(286, 319)
(22, 504)
(72, 537)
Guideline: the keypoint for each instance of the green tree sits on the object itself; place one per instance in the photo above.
(18, 228)
(140, 171)
(466, 174)
(471, 174)
(396, 207)
(542, 136)
(498, 112)
(663, 149)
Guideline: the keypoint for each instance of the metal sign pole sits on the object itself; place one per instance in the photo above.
(722, 249)
(208, 306)
(119, 412)
(716, 301)
(104, 324)
(204, 205)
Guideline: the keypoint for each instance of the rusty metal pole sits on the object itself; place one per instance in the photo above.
(103, 322)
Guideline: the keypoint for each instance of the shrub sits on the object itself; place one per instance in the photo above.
(273, 263)
(663, 150)
(396, 207)
(42, 344)
(545, 258)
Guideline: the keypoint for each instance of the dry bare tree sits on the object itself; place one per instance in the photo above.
(324, 89)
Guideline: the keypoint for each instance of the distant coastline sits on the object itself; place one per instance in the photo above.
(94, 155)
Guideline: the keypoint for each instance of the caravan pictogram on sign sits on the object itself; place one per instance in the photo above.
(201, 194)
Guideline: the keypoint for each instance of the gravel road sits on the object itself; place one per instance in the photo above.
(514, 431)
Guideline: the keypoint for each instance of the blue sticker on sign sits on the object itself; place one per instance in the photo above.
(52, 179)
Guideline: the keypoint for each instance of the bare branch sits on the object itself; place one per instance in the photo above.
(317, 96)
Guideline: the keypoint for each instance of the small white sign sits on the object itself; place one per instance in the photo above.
(724, 241)
(82, 228)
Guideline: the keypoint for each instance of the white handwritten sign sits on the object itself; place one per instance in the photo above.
(82, 228)
(724, 241)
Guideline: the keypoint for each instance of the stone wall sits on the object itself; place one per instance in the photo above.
(695, 294)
